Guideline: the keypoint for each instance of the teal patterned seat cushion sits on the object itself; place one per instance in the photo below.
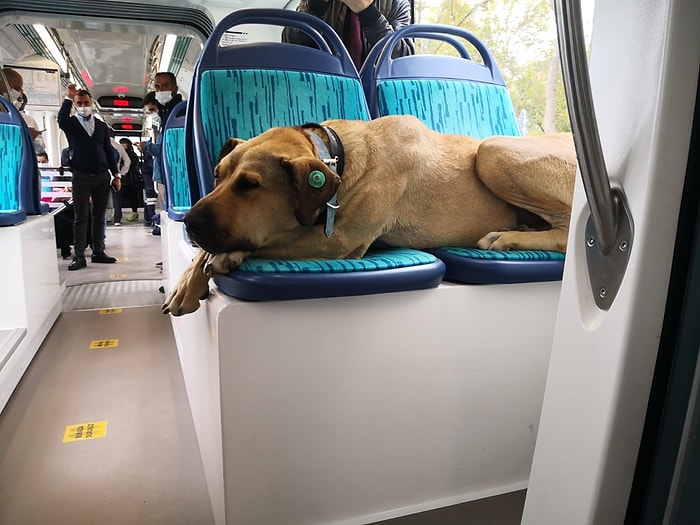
(471, 265)
(10, 160)
(379, 271)
(243, 103)
(496, 255)
(451, 106)
(372, 261)
(177, 165)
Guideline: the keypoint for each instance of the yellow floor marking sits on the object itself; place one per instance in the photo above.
(122, 259)
(104, 343)
(83, 431)
(111, 311)
(117, 276)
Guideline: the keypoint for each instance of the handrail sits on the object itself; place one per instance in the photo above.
(609, 229)
(572, 49)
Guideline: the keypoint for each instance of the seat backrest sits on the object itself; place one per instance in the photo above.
(242, 90)
(175, 171)
(20, 182)
(449, 94)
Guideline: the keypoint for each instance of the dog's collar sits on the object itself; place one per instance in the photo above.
(332, 156)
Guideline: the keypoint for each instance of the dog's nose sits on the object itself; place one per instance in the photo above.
(194, 223)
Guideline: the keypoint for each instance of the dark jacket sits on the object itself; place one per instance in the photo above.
(90, 154)
(377, 21)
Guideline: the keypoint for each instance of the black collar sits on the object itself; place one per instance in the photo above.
(334, 157)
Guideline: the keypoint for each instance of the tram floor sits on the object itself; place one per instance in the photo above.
(111, 361)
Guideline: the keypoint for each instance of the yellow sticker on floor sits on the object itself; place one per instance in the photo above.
(111, 311)
(122, 259)
(83, 431)
(104, 343)
(118, 276)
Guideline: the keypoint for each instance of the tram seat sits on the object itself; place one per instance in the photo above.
(457, 95)
(175, 171)
(20, 186)
(244, 89)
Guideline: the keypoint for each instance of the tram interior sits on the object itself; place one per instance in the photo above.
(208, 418)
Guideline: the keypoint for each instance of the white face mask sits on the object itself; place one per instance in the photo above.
(163, 97)
(155, 119)
(84, 111)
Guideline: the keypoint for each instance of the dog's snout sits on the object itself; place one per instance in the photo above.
(197, 222)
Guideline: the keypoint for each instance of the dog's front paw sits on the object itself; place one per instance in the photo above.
(223, 263)
(192, 286)
(502, 241)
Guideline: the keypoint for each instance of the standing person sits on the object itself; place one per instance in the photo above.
(124, 163)
(165, 97)
(34, 131)
(359, 23)
(132, 181)
(93, 164)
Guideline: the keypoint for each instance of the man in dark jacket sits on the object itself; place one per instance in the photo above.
(93, 164)
(359, 23)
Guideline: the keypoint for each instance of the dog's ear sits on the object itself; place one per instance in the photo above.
(229, 146)
(315, 182)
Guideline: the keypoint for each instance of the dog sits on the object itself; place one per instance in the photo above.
(396, 183)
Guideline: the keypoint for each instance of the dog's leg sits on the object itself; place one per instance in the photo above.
(192, 286)
(536, 174)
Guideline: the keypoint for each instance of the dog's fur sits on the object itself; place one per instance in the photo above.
(403, 185)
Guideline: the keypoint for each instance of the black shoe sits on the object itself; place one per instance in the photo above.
(78, 263)
(102, 258)
(65, 252)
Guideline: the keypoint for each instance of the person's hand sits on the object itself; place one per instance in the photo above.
(117, 184)
(71, 91)
(357, 5)
(140, 145)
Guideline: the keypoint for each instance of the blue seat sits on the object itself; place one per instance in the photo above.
(456, 95)
(380, 271)
(175, 170)
(20, 182)
(244, 89)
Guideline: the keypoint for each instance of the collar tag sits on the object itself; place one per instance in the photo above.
(331, 163)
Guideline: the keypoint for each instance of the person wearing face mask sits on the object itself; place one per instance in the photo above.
(93, 164)
(164, 98)
(11, 84)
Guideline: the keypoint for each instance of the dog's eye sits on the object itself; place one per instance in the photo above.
(246, 183)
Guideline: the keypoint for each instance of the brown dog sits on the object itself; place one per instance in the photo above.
(402, 185)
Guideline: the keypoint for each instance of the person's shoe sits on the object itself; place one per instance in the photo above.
(148, 224)
(78, 263)
(65, 252)
(102, 258)
(134, 217)
(118, 223)
(156, 230)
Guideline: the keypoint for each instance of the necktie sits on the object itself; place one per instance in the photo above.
(353, 38)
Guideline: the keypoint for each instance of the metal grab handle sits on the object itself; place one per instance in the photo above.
(609, 230)
(572, 49)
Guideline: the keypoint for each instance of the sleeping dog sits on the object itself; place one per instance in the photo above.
(330, 191)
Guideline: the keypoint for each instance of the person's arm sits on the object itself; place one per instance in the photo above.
(376, 26)
(64, 115)
(124, 159)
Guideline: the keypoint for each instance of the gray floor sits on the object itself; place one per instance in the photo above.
(146, 470)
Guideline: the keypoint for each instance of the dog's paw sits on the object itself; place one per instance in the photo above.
(181, 301)
(223, 263)
(502, 241)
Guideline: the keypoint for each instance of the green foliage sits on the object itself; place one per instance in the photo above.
(521, 36)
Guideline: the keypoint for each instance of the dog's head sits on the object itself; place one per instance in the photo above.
(267, 189)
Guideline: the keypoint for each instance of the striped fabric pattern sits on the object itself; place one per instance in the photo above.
(451, 106)
(495, 255)
(244, 103)
(175, 158)
(10, 160)
(372, 261)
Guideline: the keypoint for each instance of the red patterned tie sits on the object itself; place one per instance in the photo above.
(353, 37)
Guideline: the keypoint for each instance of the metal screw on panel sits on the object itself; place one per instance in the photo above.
(591, 242)
(623, 246)
(603, 292)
